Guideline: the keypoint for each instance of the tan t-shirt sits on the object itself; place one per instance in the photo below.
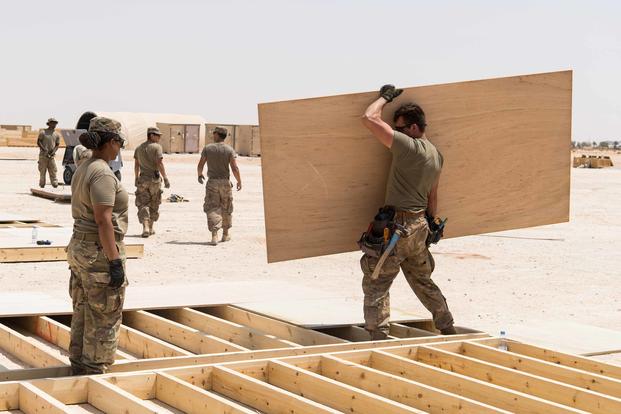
(80, 154)
(148, 154)
(47, 140)
(95, 183)
(219, 157)
(416, 165)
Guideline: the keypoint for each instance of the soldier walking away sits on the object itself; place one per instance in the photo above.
(48, 142)
(218, 195)
(149, 171)
(96, 253)
(412, 190)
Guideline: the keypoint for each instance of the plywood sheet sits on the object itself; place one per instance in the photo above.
(60, 194)
(505, 142)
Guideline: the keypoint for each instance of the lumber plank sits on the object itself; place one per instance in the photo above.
(175, 333)
(27, 350)
(505, 142)
(561, 358)
(527, 383)
(140, 385)
(68, 391)
(399, 389)
(9, 396)
(568, 375)
(32, 400)
(403, 331)
(52, 253)
(114, 400)
(262, 396)
(332, 393)
(192, 399)
(229, 331)
(147, 346)
(472, 388)
(272, 326)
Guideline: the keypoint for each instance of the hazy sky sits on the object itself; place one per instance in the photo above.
(219, 59)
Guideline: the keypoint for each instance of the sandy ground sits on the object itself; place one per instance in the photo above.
(566, 272)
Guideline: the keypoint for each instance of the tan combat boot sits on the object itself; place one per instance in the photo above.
(225, 235)
(146, 228)
(214, 238)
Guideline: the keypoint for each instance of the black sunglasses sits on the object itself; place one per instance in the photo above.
(402, 128)
(120, 140)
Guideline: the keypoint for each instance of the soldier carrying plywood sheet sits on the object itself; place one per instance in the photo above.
(505, 144)
(411, 195)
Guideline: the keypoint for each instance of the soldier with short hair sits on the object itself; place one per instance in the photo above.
(48, 142)
(412, 191)
(96, 253)
(218, 203)
(149, 171)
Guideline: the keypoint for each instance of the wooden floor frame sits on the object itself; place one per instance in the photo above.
(443, 374)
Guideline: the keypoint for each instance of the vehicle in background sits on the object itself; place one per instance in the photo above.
(72, 139)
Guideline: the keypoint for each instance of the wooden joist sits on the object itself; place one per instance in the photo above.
(424, 377)
(36, 253)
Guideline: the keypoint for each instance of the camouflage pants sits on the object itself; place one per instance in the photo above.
(148, 199)
(47, 165)
(218, 204)
(413, 257)
(97, 308)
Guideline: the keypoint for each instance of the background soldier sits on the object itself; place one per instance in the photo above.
(96, 253)
(48, 142)
(148, 168)
(412, 189)
(218, 195)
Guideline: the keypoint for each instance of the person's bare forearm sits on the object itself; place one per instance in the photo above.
(236, 174)
(162, 169)
(374, 111)
(432, 204)
(201, 166)
(106, 237)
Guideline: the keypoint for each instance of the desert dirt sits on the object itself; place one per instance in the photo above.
(568, 271)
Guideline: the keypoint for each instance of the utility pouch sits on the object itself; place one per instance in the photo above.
(436, 229)
(374, 241)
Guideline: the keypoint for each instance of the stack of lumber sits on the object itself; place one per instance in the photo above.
(505, 143)
(62, 194)
(592, 161)
(21, 138)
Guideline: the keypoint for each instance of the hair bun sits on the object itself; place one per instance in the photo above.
(90, 140)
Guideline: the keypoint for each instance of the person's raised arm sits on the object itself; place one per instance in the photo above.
(372, 117)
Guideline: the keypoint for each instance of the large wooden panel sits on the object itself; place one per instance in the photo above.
(505, 142)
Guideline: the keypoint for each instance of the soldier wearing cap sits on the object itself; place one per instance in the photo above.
(218, 195)
(48, 142)
(149, 171)
(96, 253)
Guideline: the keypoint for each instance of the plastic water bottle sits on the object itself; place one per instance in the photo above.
(503, 341)
(35, 234)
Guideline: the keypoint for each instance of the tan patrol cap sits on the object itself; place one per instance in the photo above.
(153, 130)
(50, 120)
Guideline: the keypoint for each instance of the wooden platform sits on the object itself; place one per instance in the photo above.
(62, 194)
(505, 143)
(459, 374)
(16, 244)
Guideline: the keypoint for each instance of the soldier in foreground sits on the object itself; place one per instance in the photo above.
(149, 171)
(48, 142)
(412, 191)
(218, 192)
(96, 253)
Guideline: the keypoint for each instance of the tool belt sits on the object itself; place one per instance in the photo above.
(436, 229)
(93, 237)
(374, 241)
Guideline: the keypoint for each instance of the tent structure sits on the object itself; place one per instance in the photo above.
(135, 124)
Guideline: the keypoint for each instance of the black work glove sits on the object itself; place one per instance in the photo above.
(117, 273)
(201, 179)
(389, 92)
(166, 183)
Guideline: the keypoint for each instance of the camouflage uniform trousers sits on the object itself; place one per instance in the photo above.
(148, 198)
(97, 307)
(218, 204)
(47, 165)
(413, 257)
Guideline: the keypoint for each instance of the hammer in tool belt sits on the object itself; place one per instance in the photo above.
(398, 233)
